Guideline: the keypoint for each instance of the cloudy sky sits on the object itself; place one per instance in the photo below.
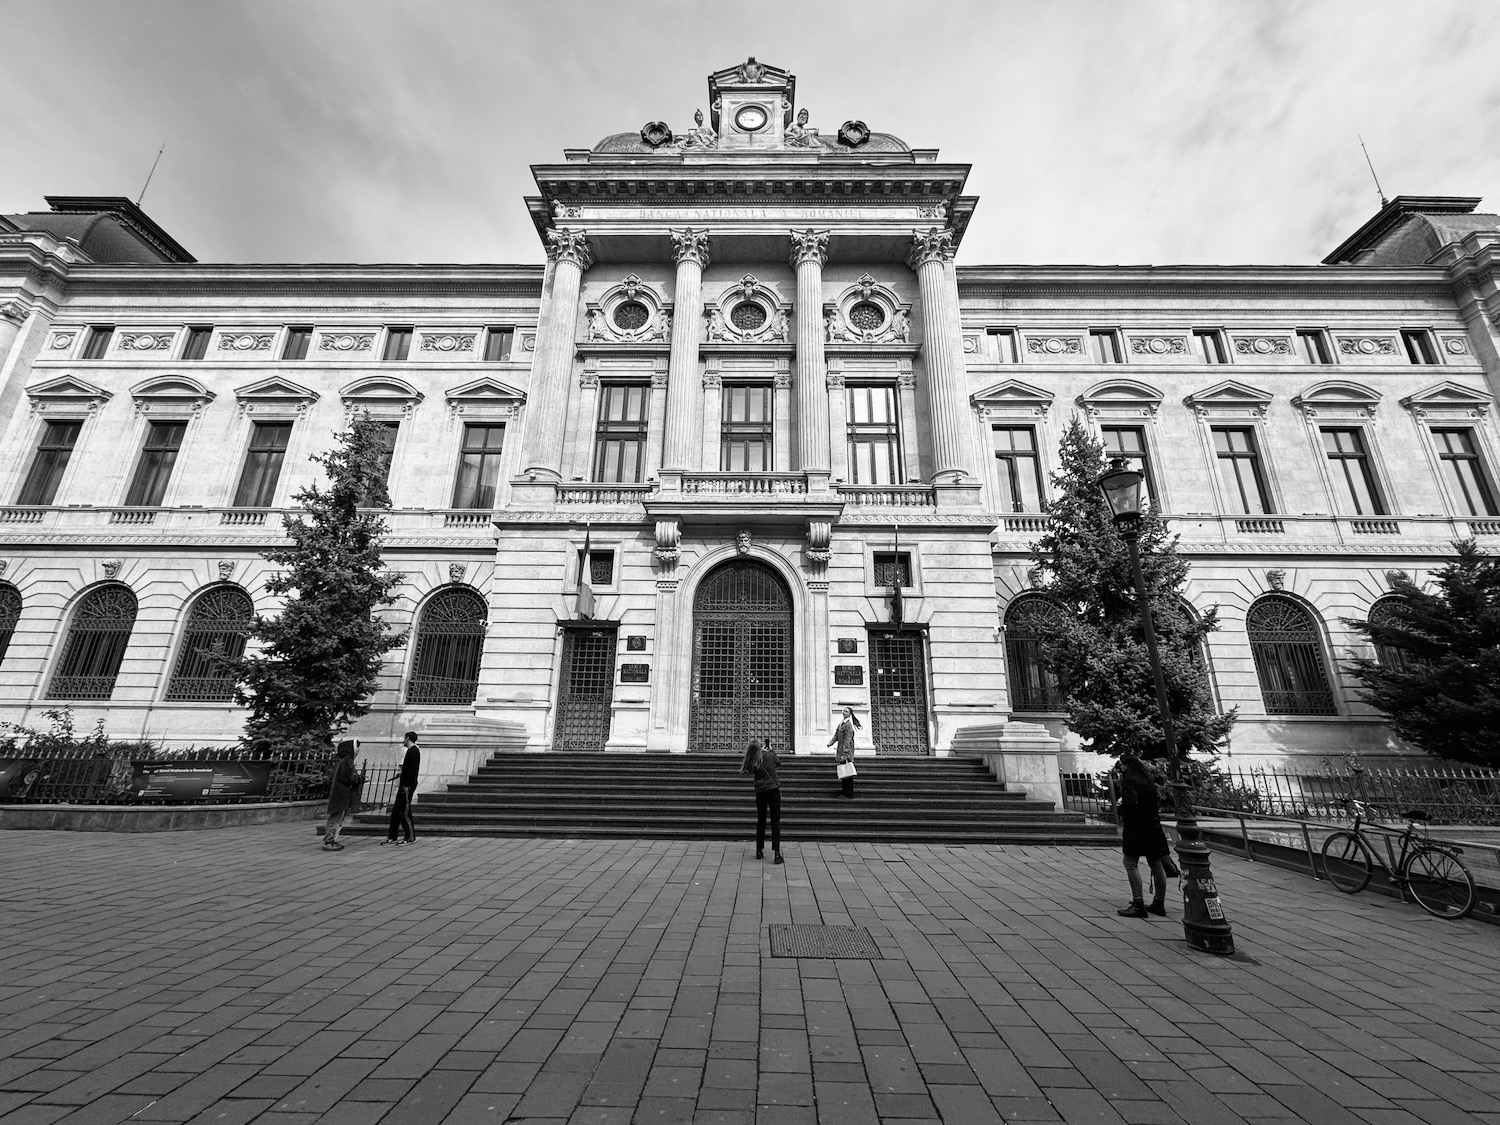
(1099, 131)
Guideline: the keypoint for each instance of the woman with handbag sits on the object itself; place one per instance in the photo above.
(760, 763)
(1140, 817)
(844, 756)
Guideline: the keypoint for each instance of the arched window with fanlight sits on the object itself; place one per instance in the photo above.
(1390, 611)
(95, 644)
(1032, 687)
(1288, 649)
(450, 640)
(10, 613)
(217, 626)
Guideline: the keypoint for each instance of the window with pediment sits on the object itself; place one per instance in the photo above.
(1455, 422)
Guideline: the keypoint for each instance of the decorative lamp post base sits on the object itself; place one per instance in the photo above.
(1204, 924)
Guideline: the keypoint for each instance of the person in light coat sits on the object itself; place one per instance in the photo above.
(844, 737)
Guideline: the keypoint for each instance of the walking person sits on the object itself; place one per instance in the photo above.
(341, 782)
(1140, 817)
(843, 757)
(760, 763)
(406, 793)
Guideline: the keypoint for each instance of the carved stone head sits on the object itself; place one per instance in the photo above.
(111, 568)
(698, 118)
(802, 117)
(742, 542)
(456, 571)
(1276, 579)
(226, 570)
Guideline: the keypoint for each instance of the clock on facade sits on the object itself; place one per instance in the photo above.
(751, 118)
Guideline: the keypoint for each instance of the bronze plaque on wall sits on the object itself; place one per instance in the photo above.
(849, 674)
(848, 644)
(635, 673)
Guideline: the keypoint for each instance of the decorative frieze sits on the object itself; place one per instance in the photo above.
(1367, 345)
(62, 341)
(245, 341)
(349, 342)
(1456, 345)
(1054, 345)
(1158, 345)
(449, 342)
(146, 341)
(1262, 345)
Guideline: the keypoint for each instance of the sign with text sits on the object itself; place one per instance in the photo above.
(193, 781)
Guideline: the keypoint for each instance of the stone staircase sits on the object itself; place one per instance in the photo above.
(704, 797)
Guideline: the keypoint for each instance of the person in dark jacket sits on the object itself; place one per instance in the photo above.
(341, 782)
(844, 754)
(1140, 817)
(406, 792)
(760, 763)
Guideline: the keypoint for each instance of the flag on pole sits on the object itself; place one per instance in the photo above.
(585, 591)
(898, 603)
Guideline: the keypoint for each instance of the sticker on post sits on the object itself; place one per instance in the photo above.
(1215, 909)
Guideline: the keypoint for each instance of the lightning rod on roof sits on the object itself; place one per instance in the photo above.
(1378, 189)
(151, 173)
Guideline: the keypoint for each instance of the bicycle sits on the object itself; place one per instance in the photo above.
(1431, 873)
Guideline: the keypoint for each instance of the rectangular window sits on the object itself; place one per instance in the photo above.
(497, 344)
(262, 470)
(479, 466)
(1240, 470)
(98, 342)
(1349, 465)
(1104, 345)
(874, 436)
(1128, 443)
(1463, 472)
(1020, 469)
(1005, 344)
(620, 441)
(196, 346)
(52, 454)
(745, 430)
(1211, 345)
(1418, 343)
(154, 470)
(297, 343)
(397, 344)
(1312, 345)
(893, 568)
(388, 434)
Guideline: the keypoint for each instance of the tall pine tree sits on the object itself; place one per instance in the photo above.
(320, 657)
(1439, 677)
(1097, 651)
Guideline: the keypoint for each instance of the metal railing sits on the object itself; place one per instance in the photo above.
(232, 777)
(378, 790)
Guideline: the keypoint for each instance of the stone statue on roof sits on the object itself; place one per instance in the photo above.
(799, 135)
(700, 136)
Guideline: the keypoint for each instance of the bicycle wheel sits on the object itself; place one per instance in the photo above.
(1439, 882)
(1346, 862)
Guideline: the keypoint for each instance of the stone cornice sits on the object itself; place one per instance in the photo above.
(1231, 282)
(313, 280)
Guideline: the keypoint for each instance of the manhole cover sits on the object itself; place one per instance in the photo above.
(823, 941)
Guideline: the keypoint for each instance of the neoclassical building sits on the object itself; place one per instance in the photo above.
(657, 495)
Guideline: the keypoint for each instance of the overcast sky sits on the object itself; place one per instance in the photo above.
(1109, 132)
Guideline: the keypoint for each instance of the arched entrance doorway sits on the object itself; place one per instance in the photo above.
(742, 659)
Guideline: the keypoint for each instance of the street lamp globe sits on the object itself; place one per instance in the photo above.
(1124, 491)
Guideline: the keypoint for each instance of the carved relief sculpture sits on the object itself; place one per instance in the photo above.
(1158, 345)
(690, 244)
(1263, 345)
(1276, 579)
(935, 245)
(834, 328)
(111, 568)
(809, 246)
(700, 136)
(596, 324)
(1367, 345)
(14, 312)
(347, 342)
(799, 135)
(742, 543)
(456, 571)
(147, 341)
(901, 327)
(568, 245)
(226, 570)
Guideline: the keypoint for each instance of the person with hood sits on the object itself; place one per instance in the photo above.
(341, 782)
(844, 756)
(760, 763)
(1140, 817)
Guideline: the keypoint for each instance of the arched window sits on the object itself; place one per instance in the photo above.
(450, 638)
(1390, 611)
(1289, 663)
(10, 613)
(95, 645)
(216, 627)
(1027, 620)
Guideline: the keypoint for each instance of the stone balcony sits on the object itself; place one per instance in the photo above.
(248, 527)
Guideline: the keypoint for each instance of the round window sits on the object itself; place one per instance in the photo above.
(747, 316)
(751, 118)
(867, 316)
(631, 316)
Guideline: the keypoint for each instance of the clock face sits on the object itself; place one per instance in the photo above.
(750, 118)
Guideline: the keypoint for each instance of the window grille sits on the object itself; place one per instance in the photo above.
(1032, 686)
(450, 641)
(898, 693)
(601, 567)
(1289, 658)
(742, 660)
(10, 613)
(893, 569)
(216, 630)
(587, 690)
(52, 455)
(95, 645)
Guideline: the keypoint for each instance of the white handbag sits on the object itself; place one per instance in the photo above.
(846, 769)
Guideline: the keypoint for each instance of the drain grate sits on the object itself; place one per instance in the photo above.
(823, 941)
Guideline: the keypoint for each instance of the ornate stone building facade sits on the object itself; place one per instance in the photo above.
(748, 396)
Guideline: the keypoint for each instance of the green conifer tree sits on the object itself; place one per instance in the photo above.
(321, 655)
(1438, 679)
(1097, 651)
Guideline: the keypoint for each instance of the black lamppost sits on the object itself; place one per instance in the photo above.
(1203, 920)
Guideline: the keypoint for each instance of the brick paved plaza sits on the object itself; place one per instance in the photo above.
(243, 975)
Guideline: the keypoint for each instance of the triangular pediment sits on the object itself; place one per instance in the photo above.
(1448, 395)
(1013, 393)
(172, 386)
(277, 388)
(486, 389)
(381, 388)
(67, 388)
(1120, 392)
(1230, 393)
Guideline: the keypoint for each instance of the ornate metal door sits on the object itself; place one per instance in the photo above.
(587, 689)
(742, 660)
(898, 693)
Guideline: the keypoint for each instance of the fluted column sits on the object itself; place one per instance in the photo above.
(683, 446)
(809, 252)
(569, 253)
(942, 354)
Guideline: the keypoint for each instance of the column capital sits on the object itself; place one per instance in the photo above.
(568, 245)
(809, 246)
(935, 245)
(690, 245)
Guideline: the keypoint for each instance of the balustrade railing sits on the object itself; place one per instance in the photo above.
(1375, 527)
(21, 515)
(1484, 527)
(744, 484)
(133, 515)
(243, 517)
(889, 496)
(477, 518)
(1260, 527)
(603, 493)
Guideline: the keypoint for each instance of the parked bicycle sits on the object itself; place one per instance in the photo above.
(1429, 872)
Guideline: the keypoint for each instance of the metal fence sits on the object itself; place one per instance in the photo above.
(199, 776)
(378, 790)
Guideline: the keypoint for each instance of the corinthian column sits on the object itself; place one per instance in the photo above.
(569, 255)
(809, 252)
(942, 354)
(683, 448)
